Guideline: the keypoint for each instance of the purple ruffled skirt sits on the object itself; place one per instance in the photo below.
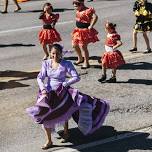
(60, 105)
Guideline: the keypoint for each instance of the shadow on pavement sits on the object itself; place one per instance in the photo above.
(71, 58)
(138, 143)
(139, 140)
(25, 75)
(16, 45)
(20, 75)
(77, 138)
(107, 0)
(62, 9)
(11, 84)
(96, 58)
(137, 81)
(55, 10)
(137, 66)
(90, 58)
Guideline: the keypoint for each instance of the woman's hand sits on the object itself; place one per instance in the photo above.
(119, 43)
(90, 27)
(44, 92)
(93, 21)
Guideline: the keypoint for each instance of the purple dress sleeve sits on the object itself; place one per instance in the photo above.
(57, 77)
(42, 75)
(73, 73)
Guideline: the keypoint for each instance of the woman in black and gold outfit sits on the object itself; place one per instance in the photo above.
(143, 13)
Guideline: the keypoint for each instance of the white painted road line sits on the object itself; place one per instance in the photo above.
(31, 28)
(105, 141)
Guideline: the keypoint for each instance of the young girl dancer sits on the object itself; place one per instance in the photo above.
(112, 58)
(84, 33)
(57, 101)
(48, 34)
(143, 13)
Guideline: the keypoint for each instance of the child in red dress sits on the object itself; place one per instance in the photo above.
(112, 58)
(84, 33)
(48, 34)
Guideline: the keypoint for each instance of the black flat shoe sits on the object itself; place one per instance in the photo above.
(148, 51)
(133, 50)
(103, 78)
(112, 80)
(17, 10)
(4, 12)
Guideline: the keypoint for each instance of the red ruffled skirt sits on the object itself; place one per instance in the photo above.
(49, 36)
(112, 59)
(84, 36)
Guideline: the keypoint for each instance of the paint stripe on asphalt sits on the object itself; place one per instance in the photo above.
(31, 28)
(105, 141)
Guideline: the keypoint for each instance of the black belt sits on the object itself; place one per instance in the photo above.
(82, 25)
(47, 26)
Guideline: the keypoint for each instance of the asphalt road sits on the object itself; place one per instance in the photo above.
(20, 60)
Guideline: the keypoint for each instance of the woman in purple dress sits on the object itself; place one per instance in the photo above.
(57, 101)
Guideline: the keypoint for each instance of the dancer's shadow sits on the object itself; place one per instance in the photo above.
(74, 58)
(16, 76)
(137, 66)
(11, 84)
(54, 10)
(141, 142)
(131, 140)
(62, 9)
(77, 138)
(97, 58)
(107, 0)
(71, 58)
(137, 81)
(21, 74)
(94, 58)
(16, 45)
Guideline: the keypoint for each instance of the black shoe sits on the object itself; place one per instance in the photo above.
(133, 50)
(103, 78)
(148, 51)
(112, 80)
(4, 12)
(17, 10)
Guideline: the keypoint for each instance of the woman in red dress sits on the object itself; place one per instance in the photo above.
(84, 33)
(112, 58)
(48, 34)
